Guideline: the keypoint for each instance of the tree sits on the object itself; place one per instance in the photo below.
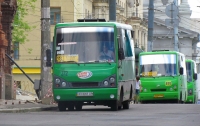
(22, 27)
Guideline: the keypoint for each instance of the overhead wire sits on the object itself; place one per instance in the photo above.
(72, 13)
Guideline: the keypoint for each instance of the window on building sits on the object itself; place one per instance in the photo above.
(16, 50)
(55, 15)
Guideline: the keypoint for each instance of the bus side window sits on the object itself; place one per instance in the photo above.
(119, 38)
(120, 45)
(179, 64)
(124, 41)
(129, 52)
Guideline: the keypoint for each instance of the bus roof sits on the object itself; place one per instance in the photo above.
(160, 52)
(190, 60)
(89, 24)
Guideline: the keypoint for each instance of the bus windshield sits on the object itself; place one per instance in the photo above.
(85, 45)
(158, 65)
(189, 71)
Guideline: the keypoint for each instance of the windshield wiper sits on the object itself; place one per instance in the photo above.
(108, 62)
(171, 76)
(97, 61)
(93, 61)
(168, 75)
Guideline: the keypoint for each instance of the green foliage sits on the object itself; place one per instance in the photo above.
(21, 27)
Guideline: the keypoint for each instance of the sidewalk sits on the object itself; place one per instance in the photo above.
(24, 103)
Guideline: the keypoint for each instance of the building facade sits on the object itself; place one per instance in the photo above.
(7, 12)
(163, 38)
(127, 11)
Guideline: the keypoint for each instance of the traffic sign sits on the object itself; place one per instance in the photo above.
(171, 10)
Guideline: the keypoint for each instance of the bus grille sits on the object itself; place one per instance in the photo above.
(85, 84)
(156, 90)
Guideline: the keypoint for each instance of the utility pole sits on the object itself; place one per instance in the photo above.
(46, 78)
(176, 31)
(112, 10)
(150, 25)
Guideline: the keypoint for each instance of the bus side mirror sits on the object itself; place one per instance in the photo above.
(181, 70)
(195, 76)
(48, 55)
(121, 54)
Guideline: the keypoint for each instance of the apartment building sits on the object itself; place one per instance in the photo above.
(28, 55)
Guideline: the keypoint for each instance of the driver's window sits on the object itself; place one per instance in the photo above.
(124, 41)
(119, 32)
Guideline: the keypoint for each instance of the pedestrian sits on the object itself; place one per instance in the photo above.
(137, 89)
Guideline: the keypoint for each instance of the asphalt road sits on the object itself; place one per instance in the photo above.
(137, 115)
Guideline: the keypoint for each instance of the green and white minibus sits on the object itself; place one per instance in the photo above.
(163, 76)
(191, 70)
(83, 74)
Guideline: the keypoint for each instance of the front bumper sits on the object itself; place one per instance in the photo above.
(98, 94)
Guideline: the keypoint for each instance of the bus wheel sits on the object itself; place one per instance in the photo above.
(61, 106)
(180, 100)
(78, 107)
(71, 107)
(126, 105)
(114, 105)
(131, 94)
(119, 107)
(194, 102)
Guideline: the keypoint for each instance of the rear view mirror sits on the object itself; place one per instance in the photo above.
(48, 55)
(181, 70)
(121, 54)
(195, 76)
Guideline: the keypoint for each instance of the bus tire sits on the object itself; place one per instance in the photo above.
(131, 94)
(114, 105)
(126, 105)
(71, 107)
(61, 106)
(180, 100)
(119, 107)
(78, 107)
(194, 102)
(121, 99)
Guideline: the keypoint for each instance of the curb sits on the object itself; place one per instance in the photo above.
(33, 109)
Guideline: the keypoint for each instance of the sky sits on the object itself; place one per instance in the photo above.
(195, 10)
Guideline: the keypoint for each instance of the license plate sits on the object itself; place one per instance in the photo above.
(158, 96)
(84, 94)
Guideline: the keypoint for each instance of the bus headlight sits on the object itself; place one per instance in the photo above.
(112, 96)
(58, 97)
(57, 81)
(105, 83)
(64, 84)
(112, 79)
